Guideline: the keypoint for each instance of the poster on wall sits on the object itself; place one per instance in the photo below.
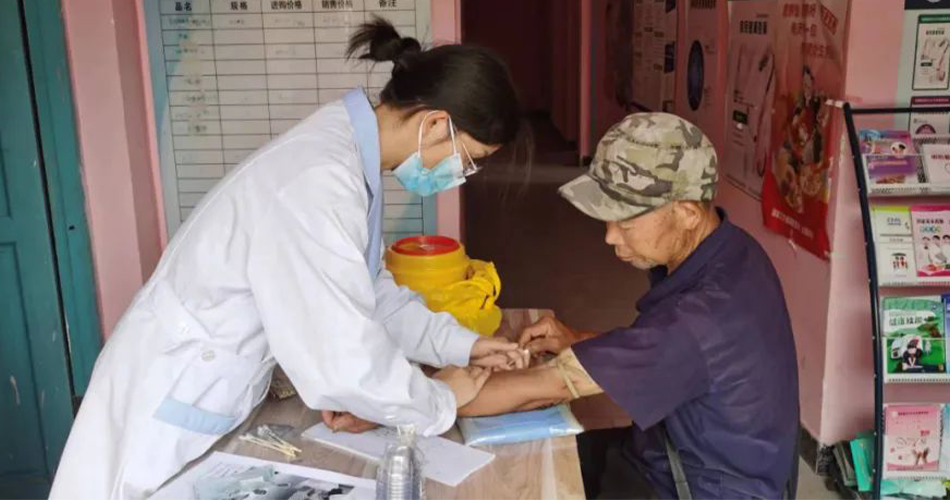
(228, 76)
(809, 38)
(701, 75)
(654, 54)
(750, 92)
(924, 74)
(932, 56)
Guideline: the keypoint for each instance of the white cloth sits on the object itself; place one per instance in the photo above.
(269, 268)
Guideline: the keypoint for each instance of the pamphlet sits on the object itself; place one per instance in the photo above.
(886, 142)
(891, 169)
(894, 242)
(937, 163)
(914, 334)
(912, 437)
(223, 476)
(931, 225)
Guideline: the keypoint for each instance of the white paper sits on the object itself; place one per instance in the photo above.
(225, 464)
(446, 461)
(937, 163)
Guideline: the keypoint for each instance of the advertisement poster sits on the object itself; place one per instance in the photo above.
(924, 73)
(809, 39)
(932, 53)
(702, 66)
(654, 54)
(750, 93)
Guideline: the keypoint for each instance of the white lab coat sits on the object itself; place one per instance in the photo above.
(269, 268)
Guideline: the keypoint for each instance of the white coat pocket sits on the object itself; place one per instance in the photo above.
(211, 393)
(207, 393)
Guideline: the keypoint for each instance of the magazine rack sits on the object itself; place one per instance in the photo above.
(869, 194)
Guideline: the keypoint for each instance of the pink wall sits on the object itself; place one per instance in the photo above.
(104, 39)
(874, 42)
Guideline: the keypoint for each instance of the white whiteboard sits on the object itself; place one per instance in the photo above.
(229, 76)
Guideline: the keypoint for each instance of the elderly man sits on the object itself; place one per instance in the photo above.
(708, 369)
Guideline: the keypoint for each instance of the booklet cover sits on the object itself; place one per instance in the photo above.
(886, 142)
(893, 238)
(931, 225)
(914, 330)
(936, 159)
(912, 437)
(891, 169)
(896, 262)
(891, 223)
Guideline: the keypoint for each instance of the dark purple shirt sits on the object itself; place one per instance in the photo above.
(712, 356)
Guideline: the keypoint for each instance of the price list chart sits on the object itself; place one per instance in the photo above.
(230, 75)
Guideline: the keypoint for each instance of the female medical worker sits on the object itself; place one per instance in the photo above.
(281, 263)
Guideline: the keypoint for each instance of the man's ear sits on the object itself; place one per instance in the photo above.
(689, 213)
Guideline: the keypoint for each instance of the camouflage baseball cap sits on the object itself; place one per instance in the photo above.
(643, 162)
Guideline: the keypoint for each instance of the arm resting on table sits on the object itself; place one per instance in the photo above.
(556, 381)
(518, 390)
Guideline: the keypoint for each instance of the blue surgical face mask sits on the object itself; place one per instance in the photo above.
(450, 172)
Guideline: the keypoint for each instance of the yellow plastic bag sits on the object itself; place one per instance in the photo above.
(472, 300)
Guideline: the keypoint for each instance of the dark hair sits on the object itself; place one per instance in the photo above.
(472, 84)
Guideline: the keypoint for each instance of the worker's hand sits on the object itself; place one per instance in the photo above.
(464, 382)
(341, 421)
(549, 336)
(498, 354)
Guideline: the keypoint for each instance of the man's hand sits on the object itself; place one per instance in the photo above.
(498, 354)
(341, 421)
(549, 336)
(465, 383)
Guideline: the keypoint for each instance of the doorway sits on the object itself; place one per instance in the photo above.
(42, 264)
(549, 255)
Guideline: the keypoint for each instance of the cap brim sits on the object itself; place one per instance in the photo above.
(586, 194)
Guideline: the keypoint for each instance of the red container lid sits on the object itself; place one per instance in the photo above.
(426, 245)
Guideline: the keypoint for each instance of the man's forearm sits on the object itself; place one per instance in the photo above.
(518, 390)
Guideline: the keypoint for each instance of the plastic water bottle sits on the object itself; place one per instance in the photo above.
(400, 476)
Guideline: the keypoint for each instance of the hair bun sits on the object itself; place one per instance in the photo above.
(381, 42)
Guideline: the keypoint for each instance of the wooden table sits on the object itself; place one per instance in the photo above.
(547, 469)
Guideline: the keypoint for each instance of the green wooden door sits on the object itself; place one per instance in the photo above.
(35, 392)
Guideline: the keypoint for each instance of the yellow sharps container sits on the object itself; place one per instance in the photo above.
(437, 268)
